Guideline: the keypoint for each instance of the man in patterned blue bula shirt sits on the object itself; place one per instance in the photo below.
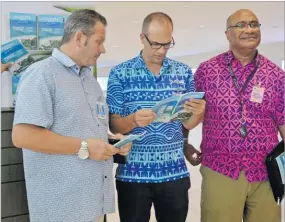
(155, 172)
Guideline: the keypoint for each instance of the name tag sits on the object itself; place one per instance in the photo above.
(257, 94)
(100, 111)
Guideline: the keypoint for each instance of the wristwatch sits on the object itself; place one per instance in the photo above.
(83, 152)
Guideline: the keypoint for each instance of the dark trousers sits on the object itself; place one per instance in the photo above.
(170, 200)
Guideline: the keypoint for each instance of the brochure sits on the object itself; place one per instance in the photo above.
(13, 51)
(50, 31)
(128, 139)
(172, 108)
(23, 26)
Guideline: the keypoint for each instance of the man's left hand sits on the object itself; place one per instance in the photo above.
(124, 150)
(192, 155)
(196, 106)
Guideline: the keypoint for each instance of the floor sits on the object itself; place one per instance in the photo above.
(195, 191)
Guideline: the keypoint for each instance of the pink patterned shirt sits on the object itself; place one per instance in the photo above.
(223, 148)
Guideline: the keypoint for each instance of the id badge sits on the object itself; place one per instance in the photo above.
(101, 114)
(257, 94)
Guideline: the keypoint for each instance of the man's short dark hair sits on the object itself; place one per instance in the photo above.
(81, 20)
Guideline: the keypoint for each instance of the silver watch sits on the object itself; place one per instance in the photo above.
(83, 152)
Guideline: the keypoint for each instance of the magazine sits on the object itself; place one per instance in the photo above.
(281, 164)
(172, 108)
(128, 139)
(23, 26)
(50, 31)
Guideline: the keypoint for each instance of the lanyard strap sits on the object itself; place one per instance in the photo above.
(234, 78)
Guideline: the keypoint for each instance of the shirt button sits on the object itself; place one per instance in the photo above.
(105, 176)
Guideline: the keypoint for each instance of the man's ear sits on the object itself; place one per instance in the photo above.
(80, 39)
(227, 35)
(142, 37)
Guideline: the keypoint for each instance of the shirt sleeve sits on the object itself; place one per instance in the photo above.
(115, 97)
(198, 78)
(190, 84)
(34, 101)
(279, 108)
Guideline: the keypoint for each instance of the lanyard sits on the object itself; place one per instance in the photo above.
(234, 78)
(242, 129)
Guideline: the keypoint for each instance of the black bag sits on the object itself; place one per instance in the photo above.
(274, 175)
(117, 157)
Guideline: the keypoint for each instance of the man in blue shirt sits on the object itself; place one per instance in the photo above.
(155, 171)
(68, 161)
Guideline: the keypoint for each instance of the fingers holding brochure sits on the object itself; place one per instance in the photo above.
(196, 106)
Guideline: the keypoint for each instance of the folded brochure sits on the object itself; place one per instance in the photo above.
(13, 51)
(128, 139)
(172, 108)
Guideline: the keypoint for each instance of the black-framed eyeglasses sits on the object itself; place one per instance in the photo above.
(243, 25)
(157, 45)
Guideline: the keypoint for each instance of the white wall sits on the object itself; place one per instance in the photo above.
(273, 51)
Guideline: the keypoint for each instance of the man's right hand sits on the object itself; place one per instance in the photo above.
(143, 117)
(4, 67)
(100, 150)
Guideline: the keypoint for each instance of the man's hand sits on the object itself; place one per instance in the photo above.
(4, 67)
(100, 150)
(192, 155)
(143, 117)
(196, 106)
(124, 150)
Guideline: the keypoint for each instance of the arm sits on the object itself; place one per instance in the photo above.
(120, 122)
(198, 110)
(195, 106)
(123, 125)
(190, 151)
(43, 140)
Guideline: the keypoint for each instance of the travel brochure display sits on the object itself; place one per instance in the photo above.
(23, 26)
(13, 51)
(50, 31)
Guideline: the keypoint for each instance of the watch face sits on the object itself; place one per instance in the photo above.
(83, 154)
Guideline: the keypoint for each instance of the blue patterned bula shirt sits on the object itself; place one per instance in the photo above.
(158, 156)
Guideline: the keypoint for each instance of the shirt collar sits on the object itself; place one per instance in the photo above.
(232, 58)
(67, 61)
(139, 62)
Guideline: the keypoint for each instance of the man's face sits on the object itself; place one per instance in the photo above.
(243, 31)
(93, 46)
(157, 34)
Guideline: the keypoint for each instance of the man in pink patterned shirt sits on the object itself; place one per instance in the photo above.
(244, 112)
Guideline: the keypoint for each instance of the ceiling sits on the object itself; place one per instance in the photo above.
(198, 26)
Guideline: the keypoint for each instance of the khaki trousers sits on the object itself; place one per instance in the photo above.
(101, 219)
(227, 200)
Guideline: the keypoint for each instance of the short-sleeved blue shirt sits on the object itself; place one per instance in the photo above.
(158, 156)
(56, 94)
